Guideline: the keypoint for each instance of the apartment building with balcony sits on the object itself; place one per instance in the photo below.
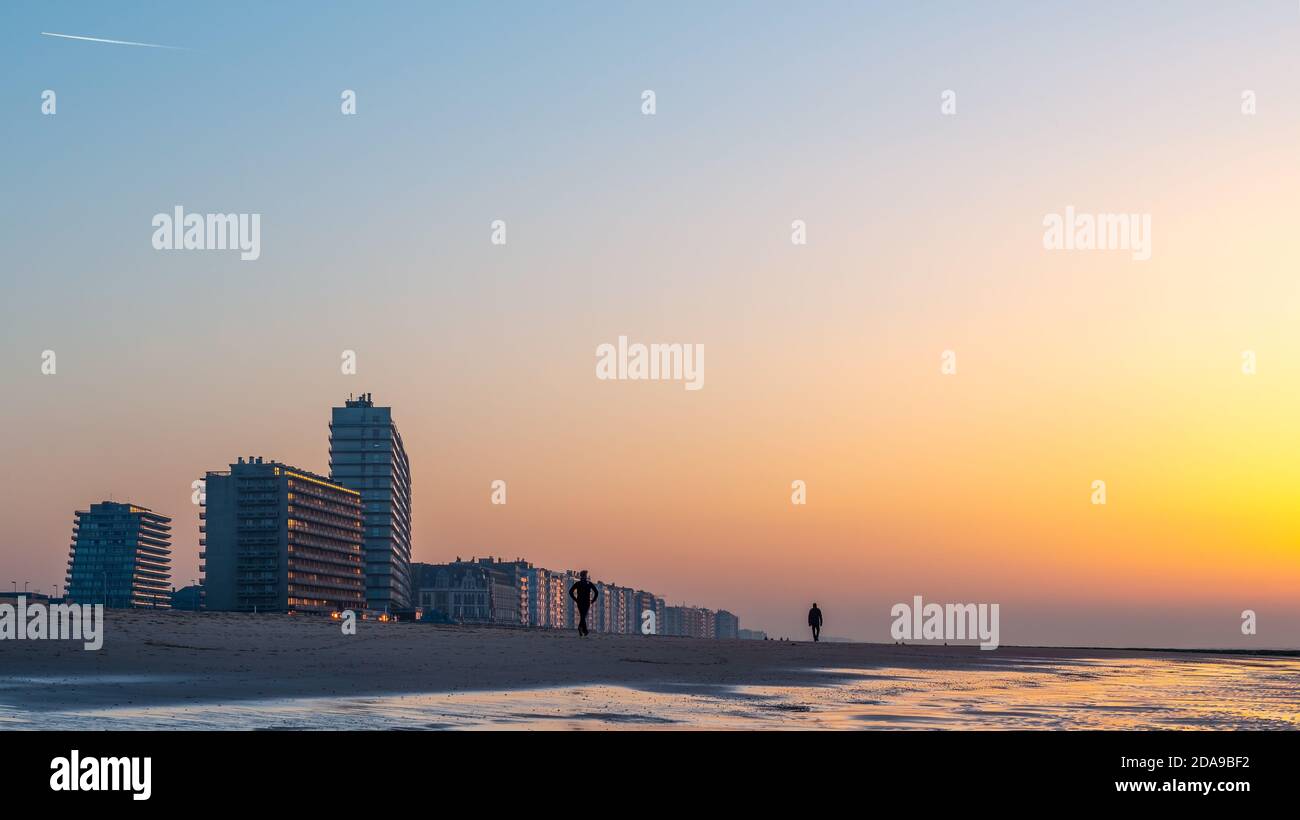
(726, 626)
(278, 538)
(367, 455)
(120, 556)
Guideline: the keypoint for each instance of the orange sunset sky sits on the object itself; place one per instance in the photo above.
(822, 360)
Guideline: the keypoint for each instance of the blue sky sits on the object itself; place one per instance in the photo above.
(672, 227)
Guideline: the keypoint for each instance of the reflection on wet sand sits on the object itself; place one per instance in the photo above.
(1240, 693)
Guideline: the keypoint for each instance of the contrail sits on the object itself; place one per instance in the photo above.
(115, 42)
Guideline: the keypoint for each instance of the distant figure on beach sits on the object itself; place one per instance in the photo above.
(815, 621)
(583, 592)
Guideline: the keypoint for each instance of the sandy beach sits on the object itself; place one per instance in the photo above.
(230, 656)
(177, 660)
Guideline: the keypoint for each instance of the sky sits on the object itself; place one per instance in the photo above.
(824, 360)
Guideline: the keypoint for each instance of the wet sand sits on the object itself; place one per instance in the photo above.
(184, 658)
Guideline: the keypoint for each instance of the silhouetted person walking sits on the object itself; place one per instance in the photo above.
(815, 621)
(583, 592)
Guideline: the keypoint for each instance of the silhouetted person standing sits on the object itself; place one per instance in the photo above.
(815, 621)
(583, 592)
